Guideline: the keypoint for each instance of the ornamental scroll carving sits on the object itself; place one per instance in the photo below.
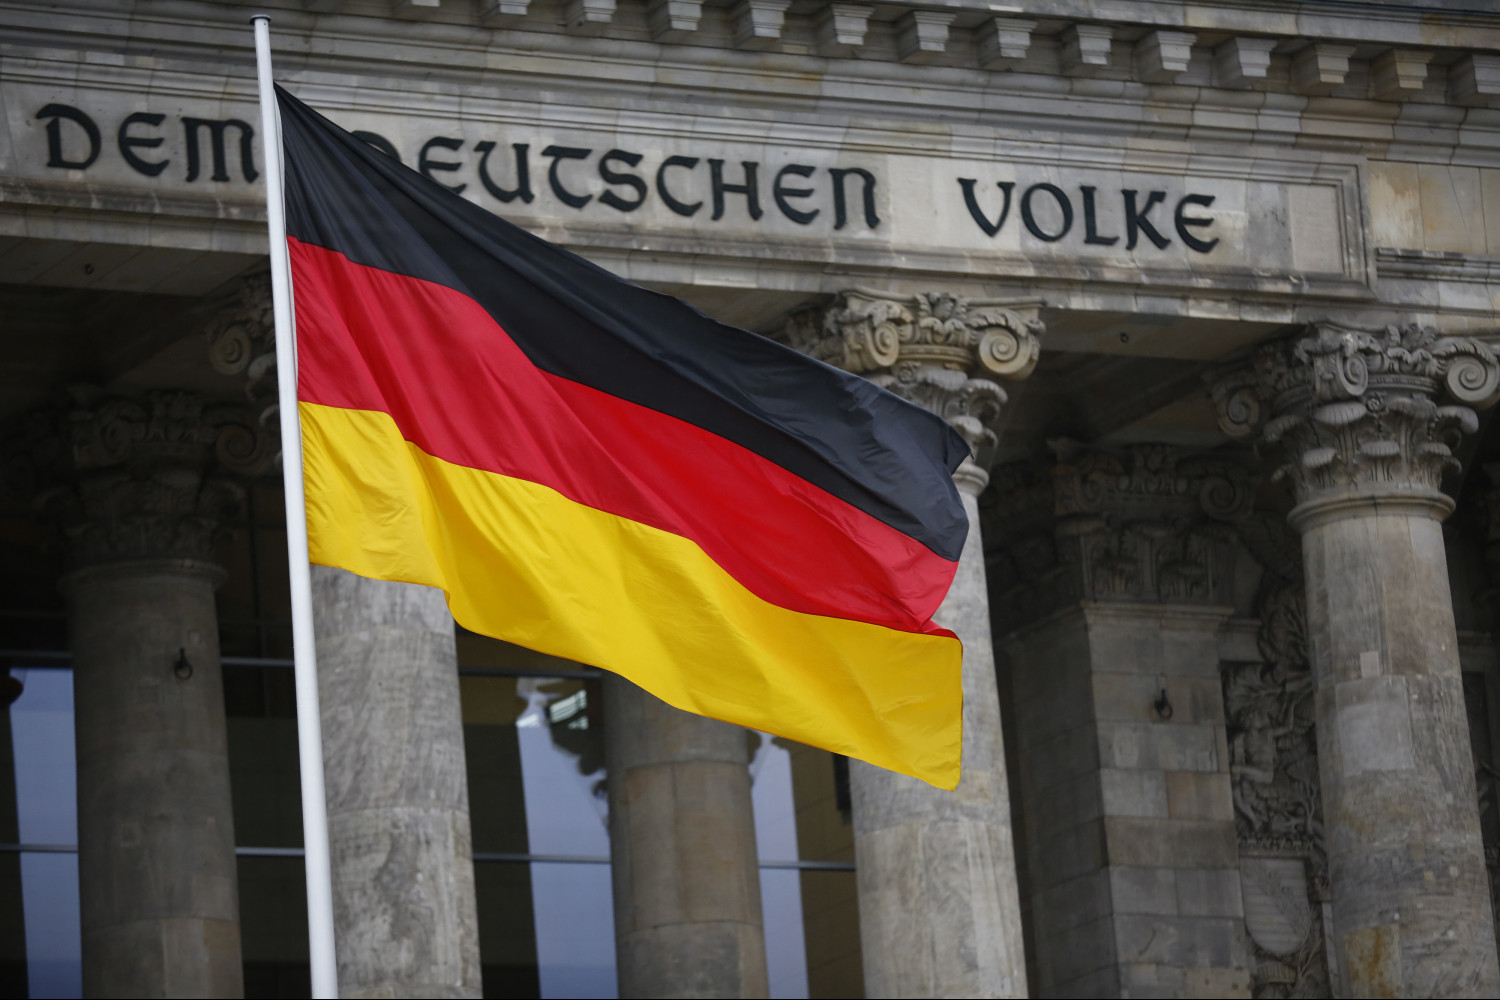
(134, 478)
(1352, 409)
(241, 338)
(938, 350)
(1139, 523)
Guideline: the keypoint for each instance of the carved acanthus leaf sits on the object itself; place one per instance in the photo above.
(970, 405)
(1137, 523)
(242, 328)
(241, 336)
(142, 477)
(938, 350)
(1356, 409)
(865, 331)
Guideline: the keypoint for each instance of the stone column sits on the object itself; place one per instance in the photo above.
(129, 482)
(398, 797)
(682, 841)
(1366, 442)
(405, 915)
(938, 906)
(1113, 573)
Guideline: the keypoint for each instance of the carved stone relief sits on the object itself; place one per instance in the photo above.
(1138, 523)
(1274, 777)
(1286, 930)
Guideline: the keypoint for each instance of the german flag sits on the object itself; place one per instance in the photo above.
(600, 472)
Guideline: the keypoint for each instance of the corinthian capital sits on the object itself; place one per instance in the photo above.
(135, 478)
(1362, 411)
(866, 331)
(941, 351)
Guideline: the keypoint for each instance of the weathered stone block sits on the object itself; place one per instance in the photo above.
(1240, 61)
(1143, 890)
(1162, 56)
(1134, 793)
(1207, 981)
(841, 28)
(1159, 843)
(1058, 703)
(1399, 73)
(1066, 755)
(1085, 46)
(1068, 854)
(1077, 951)
(1199, 795)
(1148, 979)
(1081, 900)
(1097, 983)
(1160, 746)
(1182, 941)
(1133, 697)
(1209, 892)
(1068, 804)
(922, 35)
(1475, 80)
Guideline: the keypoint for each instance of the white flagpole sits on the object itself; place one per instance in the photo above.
(309, 721)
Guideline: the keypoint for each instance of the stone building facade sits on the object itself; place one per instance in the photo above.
(1209, 286)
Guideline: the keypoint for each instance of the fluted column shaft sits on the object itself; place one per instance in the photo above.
(1367, 443)
(939, 909)
(682, 842)
(405, 917)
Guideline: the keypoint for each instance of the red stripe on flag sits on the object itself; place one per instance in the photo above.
(462, 391)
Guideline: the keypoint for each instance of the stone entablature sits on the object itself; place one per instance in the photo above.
(815, 193)
(1095, 185)
(1092, 185)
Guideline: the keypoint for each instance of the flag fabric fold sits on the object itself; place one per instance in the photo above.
(600, 472)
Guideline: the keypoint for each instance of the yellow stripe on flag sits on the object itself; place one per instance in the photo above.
(523, 563)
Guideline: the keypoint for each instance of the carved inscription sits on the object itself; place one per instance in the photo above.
(594, 176)
(841, 197)
(74, 142)
(1047, 212)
